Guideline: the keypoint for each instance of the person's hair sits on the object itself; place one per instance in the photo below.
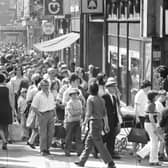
(93, 88)
(43, 81)
(73, 77)
(20, 68)
(145, 84)
(2, 77)
(100, 78)
(53, 84)
(152, 94)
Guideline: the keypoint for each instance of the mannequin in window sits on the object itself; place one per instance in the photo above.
(137, 6)
(130, 7)
(122, 9)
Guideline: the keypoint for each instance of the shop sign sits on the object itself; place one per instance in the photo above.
(53, 7)
(48, 28)
(92, 6)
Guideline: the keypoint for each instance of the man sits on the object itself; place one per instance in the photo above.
(43, 105)
(114, 117)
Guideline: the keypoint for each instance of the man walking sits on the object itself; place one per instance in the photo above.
(44, 106)
(114, 116)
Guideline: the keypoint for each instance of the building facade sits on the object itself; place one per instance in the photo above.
(127, 40)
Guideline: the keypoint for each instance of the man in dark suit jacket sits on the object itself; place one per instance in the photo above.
(112, 107)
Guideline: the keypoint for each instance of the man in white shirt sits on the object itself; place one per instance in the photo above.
(43, 105)
(141, 102)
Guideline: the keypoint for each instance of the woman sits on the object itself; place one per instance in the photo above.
(151, 120)
(32, 90)
(5, 111)
(95, 114)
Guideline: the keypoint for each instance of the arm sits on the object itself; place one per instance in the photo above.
(89, 109)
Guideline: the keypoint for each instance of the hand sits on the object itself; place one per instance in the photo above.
(137, 120)
(106, 128)
(39, 114)
(83, 127)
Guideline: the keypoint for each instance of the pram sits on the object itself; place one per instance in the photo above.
(121, 139)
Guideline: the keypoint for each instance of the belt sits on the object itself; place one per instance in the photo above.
(46, 111)
(148, 120)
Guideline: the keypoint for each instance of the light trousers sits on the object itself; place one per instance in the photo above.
(152, 147)
(46, 130)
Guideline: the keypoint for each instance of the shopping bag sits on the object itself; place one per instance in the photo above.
(15, 131)
(138, 135)
(30, 122)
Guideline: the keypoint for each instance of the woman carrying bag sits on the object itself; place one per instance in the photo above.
(5, 111)
(151, 122)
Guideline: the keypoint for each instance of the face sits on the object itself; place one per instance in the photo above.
(112, 89)
(18, 72)
(74, 95)
(45, 86)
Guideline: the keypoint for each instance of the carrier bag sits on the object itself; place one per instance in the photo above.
(138, 135)
(15, 131)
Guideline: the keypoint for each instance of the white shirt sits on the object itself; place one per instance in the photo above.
(32, 90)
(43, 102)
(141, 101)
(159, 106)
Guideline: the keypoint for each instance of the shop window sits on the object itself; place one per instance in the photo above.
(130, 8)
(122, 9)
(166, 16)
(114, 9)
(137, 6)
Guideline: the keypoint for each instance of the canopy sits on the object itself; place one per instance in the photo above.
(58, 43)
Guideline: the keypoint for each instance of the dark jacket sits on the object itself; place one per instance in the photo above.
(111, 108)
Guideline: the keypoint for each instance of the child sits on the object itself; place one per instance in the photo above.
(22, 104)
(73, 112)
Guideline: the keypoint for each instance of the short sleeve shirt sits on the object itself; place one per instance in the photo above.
(141, 101)
(44, 103)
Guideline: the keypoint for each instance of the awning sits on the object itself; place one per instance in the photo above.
(58, 43)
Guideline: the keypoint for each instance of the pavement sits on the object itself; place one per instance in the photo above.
(20, 155)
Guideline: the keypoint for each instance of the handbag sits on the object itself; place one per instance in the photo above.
(138, 135)
(15, 131)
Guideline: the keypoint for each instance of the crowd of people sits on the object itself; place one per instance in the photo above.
(34, 87)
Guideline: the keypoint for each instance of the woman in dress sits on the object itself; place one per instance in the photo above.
(5, 111)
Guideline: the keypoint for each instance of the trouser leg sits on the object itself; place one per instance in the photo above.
(33, 136)
(87, 149)
(78, 140)
(43, 120)
(50, 129)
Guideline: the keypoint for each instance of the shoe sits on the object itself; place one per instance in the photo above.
(10, 142)
(155, 164)
(163, 158)
(138, 158)
(80, 164)
(67, 154)
(43, 153)
(48, 152)
(24, 138)
(4, 146)
(31, 145)
(111, 165)
(116, 157)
